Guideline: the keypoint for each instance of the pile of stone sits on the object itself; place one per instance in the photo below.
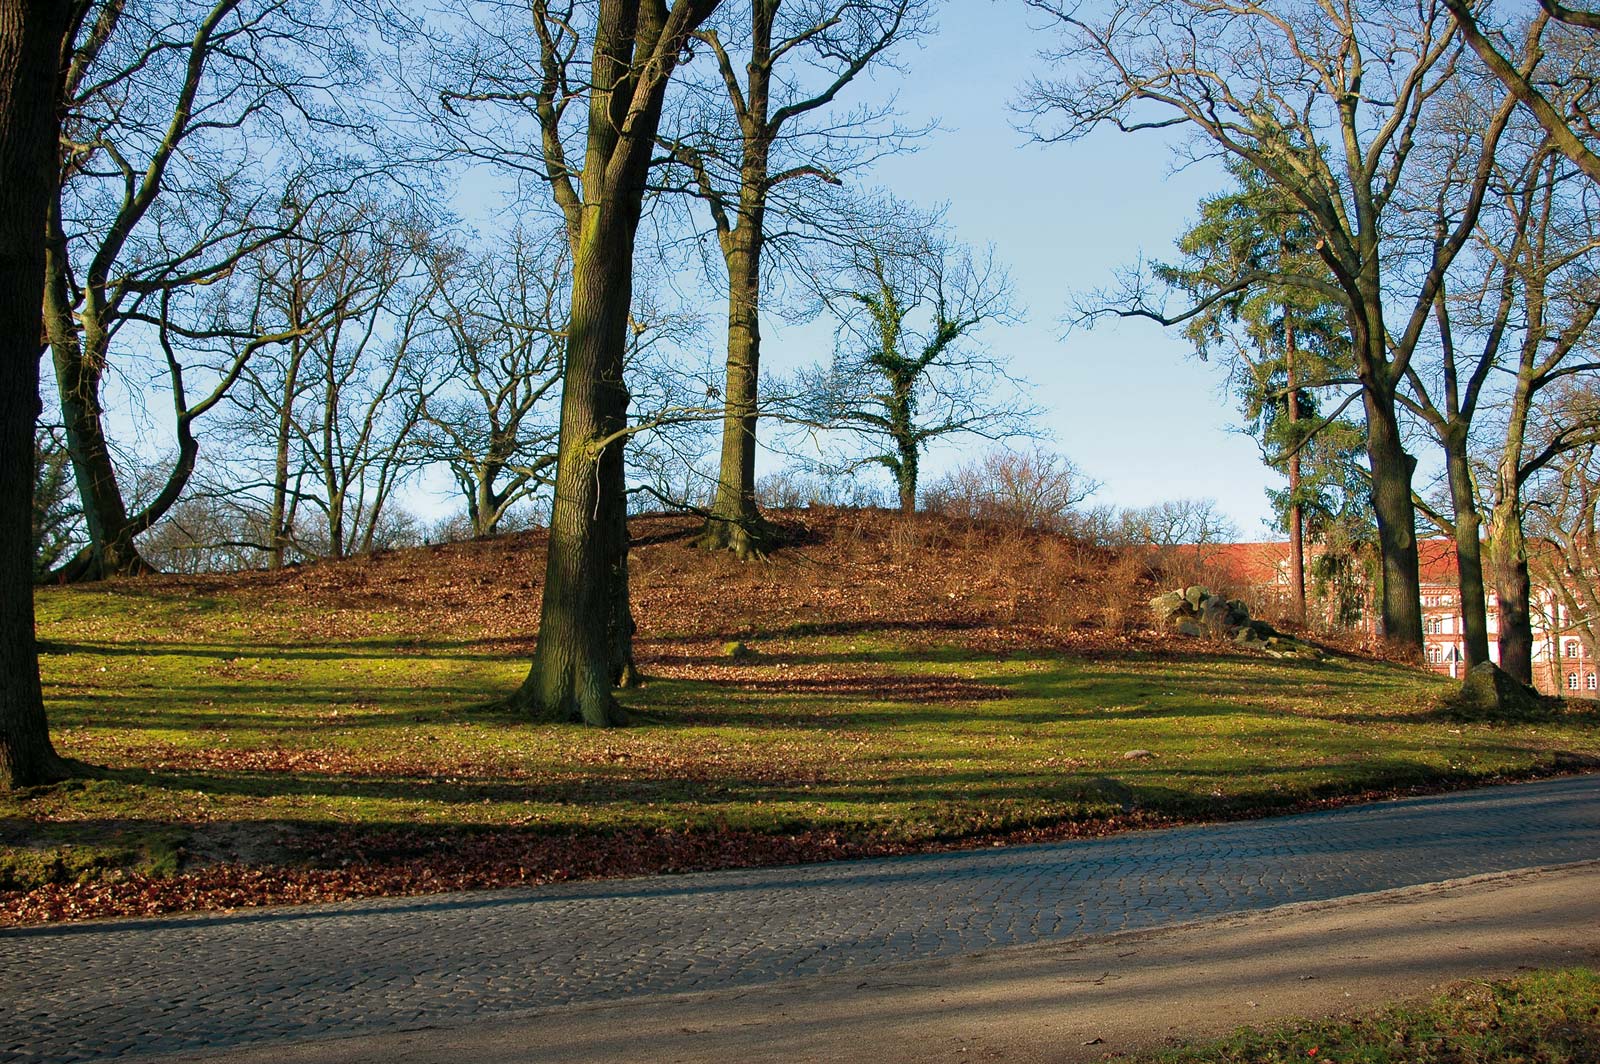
(1195, 611)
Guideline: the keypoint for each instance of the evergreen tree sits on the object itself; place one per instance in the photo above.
(1286, 342)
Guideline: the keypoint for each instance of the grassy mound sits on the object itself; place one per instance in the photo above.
(906, 684)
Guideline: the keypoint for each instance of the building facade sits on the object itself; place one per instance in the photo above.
(1561, 664)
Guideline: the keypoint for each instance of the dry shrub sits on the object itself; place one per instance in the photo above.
(1124, 594)
(1036, 489)
(911, 534)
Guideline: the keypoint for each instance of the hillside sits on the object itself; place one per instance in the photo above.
(914, 683)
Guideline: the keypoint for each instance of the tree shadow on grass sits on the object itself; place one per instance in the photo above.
(501, 648)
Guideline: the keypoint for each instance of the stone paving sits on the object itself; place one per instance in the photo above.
(115, 989)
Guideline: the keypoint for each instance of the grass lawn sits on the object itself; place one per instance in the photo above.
(320, 733)
(1540, 1018)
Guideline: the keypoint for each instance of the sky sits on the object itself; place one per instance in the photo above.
(1128, 402)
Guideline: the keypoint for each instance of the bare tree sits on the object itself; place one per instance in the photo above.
(1560, 99)
(360, 294)
(908, 370)
(166, 185)
(1448, 384)
(586, 626)
(1526, 302)
(330, 408)
(487, 387)
(1329, 103)
(32, 39)
(57, 521)
(1564, 504)
(777, 142)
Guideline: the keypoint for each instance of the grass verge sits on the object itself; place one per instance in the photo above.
(1539, 1018)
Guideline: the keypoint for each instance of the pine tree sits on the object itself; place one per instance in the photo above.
(1287, 342)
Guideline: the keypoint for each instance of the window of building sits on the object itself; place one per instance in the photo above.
(1434, 657)
(1570, 649)
(1589, 682)
(1431, 625)
(1572, 681)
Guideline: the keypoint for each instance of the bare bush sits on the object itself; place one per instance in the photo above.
(1037, 488)
(792, 489)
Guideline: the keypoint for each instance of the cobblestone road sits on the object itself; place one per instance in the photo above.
(115, 989)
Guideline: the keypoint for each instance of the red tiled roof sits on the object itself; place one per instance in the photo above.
(1261, 563)
(1255, 564)
(1436, 556)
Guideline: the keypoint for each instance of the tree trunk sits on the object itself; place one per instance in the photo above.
(1508, 547)
(1553, 646)
(1297, 536)
(482, 507)
(585, 623)
(735, 521)
(278, 529)
(905, 476)
(1469, 546)
(580, 652)
(78, 347)
(614, 508)
(1513, 588)
(31, 33)
(1392, 469)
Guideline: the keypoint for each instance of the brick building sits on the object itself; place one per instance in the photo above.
(1560, 662)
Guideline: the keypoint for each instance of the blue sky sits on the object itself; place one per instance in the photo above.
(1126, 401)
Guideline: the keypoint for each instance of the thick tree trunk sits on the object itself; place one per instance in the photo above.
(906, 479)
(614, 510)
(1513, 589)
(585, 624)
(484, 508)
(31, 34)
(735, 521)
(1392, 470)
(1469, 547)
(580, 652)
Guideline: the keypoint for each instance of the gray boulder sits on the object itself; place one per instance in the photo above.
(1490, 692)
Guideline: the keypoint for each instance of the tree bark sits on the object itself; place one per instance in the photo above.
(280, 518)
(1469, 546)
(1392, 470)
(31, 43)
(1513, 588)
(735, 521)
(585, 623)
(580, 652)
(905, 476)
(78, 348)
